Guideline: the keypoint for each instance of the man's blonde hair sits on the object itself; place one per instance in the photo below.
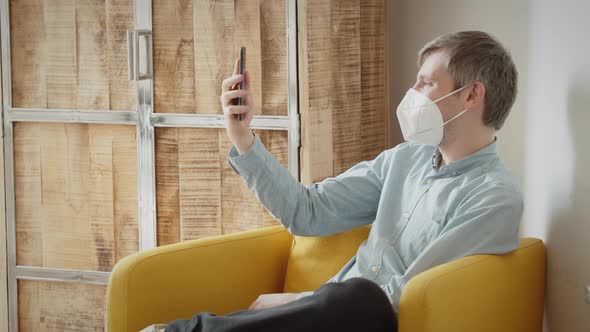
(478, 56)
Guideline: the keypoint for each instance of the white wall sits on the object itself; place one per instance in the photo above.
(544, 141)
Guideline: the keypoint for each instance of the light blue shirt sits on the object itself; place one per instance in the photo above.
(422, 216)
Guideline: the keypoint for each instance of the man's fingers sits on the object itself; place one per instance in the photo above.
(237, 109)
(236, 65)
(249, 101)
(230, 82)
(227, 96)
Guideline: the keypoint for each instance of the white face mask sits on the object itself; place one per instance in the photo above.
(420, 119)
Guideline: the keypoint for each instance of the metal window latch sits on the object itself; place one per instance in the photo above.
(139, 54)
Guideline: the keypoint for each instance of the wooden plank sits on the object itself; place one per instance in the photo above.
(167, 185)
(346, 84)
(28, 55)
(215, 34)
(68, 54)
(113, 193)
(315, 75)
(200, 196)
(3, 238)
(213, 23)
(342, 84)
(119, 19)
(27, 181)
(125, 196)
(65, 228)
(92, 56)
(388, 54)
(273, 45)
(60, 34)
(174, 76)
(100, 194)
(247, 33)
(76, 195)
(49, 306)
(29, 315)
(374, 118)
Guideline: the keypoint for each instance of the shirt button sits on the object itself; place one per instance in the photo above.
(429, 181)
(375, 268)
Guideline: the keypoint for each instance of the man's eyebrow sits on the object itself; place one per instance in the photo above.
(428, 78)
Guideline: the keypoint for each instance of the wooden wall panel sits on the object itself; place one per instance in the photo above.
(213, 23)
(315, 104)
(196, 43)
(342, 84)
(3, 258)
(28, 53)
(119, 19)
(50, 307)
(374, 93)
(247, 33)
(69, 54)
(76, 195)
(274, 57)
(167, 185)
(199, 179)
(60, 43)
(345, 92)
(198, 194)
(174, 75)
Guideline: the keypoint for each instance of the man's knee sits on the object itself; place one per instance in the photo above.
(363, 287)
(355, 289)
(355, 296)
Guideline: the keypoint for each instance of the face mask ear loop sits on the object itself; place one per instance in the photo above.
(453, 118)
(451, 93)
(444, 123)
(458, 114)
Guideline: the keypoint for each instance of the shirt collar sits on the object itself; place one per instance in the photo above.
(474, 160)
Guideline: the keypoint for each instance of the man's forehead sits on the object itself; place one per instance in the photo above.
(434, 66)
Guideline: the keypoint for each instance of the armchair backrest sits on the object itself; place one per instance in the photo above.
(314, 260)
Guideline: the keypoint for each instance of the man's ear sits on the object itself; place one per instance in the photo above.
(476, 98)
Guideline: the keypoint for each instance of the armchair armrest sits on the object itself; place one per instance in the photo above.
(479, 293)
(220, 274)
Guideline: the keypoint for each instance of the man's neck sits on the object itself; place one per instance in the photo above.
(462, 148)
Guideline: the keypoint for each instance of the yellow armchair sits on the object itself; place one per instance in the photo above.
(226, 273)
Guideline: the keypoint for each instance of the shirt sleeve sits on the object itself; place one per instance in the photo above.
(331, 206)
(485, 223)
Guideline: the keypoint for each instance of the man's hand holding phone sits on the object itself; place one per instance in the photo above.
(239, 132)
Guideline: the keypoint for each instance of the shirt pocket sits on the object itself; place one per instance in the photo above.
(431, 229)
(416, 238)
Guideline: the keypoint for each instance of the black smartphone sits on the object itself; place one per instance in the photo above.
(241, 68)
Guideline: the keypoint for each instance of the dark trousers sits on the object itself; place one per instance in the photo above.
(355, 304)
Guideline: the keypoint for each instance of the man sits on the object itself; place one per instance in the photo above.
(440, 196)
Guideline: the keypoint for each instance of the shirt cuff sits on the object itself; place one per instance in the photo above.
(303, 294)
(249, 161)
